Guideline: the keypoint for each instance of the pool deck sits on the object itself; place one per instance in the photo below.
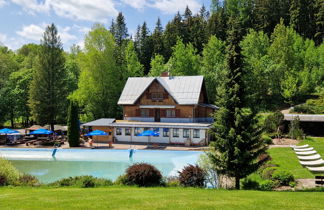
(120, 146)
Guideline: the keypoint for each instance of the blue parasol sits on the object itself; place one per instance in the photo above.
(97, 133)
(149, 133)
(7, 131)
(41, 132)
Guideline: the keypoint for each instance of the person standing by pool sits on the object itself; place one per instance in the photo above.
(90, 141)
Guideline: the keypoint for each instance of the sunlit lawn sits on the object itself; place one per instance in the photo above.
(287, 159)
(154, 198)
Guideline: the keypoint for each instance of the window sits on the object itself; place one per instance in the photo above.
(196, 133)
(138, 131)
(145, 113)
(119, 131)
(185, 133)
(127, 131)
(157, 96)
(170, 113)
(156, 130)
(165, 132)
(175, 132)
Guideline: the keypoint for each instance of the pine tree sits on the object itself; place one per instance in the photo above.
(119, 29)
(144, 46)
(73, 133)
(48, 90)
(217, 24)
(157, 38)
(237, 144)
(319, 21)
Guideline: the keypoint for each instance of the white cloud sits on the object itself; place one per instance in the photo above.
(35, 32)
(2, 3)
(3, 38)
(166, 6)
(94, 10)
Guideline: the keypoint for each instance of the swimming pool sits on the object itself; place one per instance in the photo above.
(99, 163)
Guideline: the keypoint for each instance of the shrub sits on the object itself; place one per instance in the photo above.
(249, 184)
(295, 132)
(28, 180)
(143, 175)
(82, 181)
(10, 175)
(273, 122)
(267, 185)
(192, 176)
(283, 177)
(172, 181)
(3, 180)
(121, 180)
(292, 184)
(267, 139)
(267, 172)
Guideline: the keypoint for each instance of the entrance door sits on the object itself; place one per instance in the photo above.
(157, 116)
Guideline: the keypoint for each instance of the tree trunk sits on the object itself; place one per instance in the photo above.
(237, 183)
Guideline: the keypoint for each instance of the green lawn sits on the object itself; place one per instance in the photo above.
(287, 159)
(154, 198)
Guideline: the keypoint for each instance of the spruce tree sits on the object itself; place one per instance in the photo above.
(73, 125)
(48, 91)
(157, 38)
(119, 29)
(237, 144)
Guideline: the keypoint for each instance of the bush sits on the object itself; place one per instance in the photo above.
(267, 185)
(28, 180)
(283, 177)
(295, 132)
(267, 139)
(273, 122)
(121, 180)
(249, 184)
(83, 181)
(172, 181)
(192, 176)
(267, 172)
(10, 175)
(143, 175)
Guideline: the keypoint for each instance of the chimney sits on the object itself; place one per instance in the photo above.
(164, 74)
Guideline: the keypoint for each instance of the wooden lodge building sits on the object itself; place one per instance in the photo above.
(176, 107)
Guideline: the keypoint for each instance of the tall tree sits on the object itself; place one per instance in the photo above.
(184, 60)
(73, 125)
(319, 21)
(119, 29)
(237, 142)
(302, 17)
(133, 67)
(100, 83)
(217, 24)
(48, 88)
(157, 66)
(157, 38)
(144, 47)
(212, 66)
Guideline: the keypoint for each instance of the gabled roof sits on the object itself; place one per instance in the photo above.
(183, 89)
(100, 122)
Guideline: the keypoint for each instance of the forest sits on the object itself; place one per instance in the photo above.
(280, 43)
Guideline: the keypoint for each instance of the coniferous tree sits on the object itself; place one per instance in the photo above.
(319, 21)
(119, 29)
(217, 24)
(48, 90)
(237, 144)
(144, 47)
(157, 39)
(133, 66)
(73, 133)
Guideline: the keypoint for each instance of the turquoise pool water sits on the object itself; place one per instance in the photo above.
(99, 163)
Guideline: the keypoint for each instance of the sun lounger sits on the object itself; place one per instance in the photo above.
(312, 163)
(316, 169)
(313, 152)
(299, 147)
(304, 149)
(309, 157)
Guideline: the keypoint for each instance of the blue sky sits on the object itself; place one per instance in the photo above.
(24, 21)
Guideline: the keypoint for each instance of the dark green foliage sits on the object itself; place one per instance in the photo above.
(73, 125)
(237, 144)
(273, 122)
(157, 39)
(82, 181)
(192, 176)
(121, 180)
(319, 20)
(249, 184)
(283, 177)
(143, 175)
(3, 180)
(295, 132)
(119, 29)
(144, 46)
(48, 92)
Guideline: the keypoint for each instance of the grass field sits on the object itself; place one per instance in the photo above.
(154, 198)
(287, 159)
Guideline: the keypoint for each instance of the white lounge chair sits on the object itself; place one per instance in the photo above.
(316, 169)
(304, 150)
(309, 157)
(313, 152)
(299, 147)
(312, 163)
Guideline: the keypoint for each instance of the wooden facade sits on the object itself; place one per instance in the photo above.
(156, 103)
